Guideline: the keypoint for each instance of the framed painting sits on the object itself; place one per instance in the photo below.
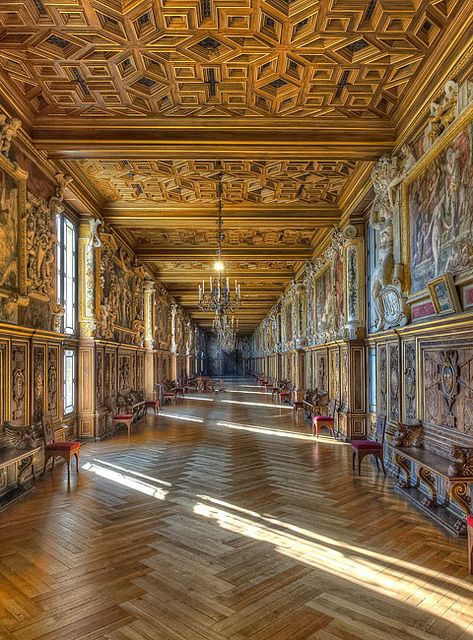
(437, 210)
(444, 295)
(13, 286)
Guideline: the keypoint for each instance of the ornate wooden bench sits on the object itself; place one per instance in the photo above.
(129, 408)
(438, 485)
(314, 403)
(18, 451)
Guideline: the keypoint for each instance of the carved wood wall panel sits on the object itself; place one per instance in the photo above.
(4, 376)
(381, 358)
(334, 377)
(357, 381)
(99, 375)
(258, 58)
(19, 391)
(322, 371)
(344, 378)
(54, 379)
(125, 372)
(39, 381)
(394, 382)
(447, 387)
(410, 381)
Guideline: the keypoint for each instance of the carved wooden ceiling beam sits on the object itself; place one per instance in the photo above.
(295, 217)
(277, 139)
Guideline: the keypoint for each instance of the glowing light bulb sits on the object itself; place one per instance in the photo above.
(218, 266)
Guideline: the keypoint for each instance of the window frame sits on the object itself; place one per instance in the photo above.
(69, 355)
(66, 272)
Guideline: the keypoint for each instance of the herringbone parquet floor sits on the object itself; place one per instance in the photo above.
(221, 520)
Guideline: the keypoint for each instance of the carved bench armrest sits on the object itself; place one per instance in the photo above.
(462, 465)
(408, 435)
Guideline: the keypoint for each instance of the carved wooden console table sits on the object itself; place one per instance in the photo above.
(17, 467)
(437, 485)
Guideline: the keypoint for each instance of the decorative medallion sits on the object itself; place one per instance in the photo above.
(449, 384)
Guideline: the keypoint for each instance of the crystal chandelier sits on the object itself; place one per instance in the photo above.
(217, 296)
(225, 328)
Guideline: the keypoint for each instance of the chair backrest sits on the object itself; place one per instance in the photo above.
(380, 428)
(331, 408)
(48, 433)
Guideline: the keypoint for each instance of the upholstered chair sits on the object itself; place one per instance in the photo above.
(369, 447)
(327, 420)
(66, 450)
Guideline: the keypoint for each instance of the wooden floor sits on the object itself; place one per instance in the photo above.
(224, 519)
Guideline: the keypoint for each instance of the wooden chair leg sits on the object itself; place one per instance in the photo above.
(69, 473)
(360, 459)
(381, 457)
(377, 461)
(470, 550)
(77, 461)
(52, 465)
(353, 460)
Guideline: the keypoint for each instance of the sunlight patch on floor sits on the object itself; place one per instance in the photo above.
(377, 572)
(125, 480)
(180, 417)
(198, 398)
(333, 542)
(273, 432)
(131, 471)
(257, 404)
(259, 393)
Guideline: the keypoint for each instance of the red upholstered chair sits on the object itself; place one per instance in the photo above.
(469, 526)
(363, 448)
(123, 416)
(66, 450)
(154, 404)
(327, 420)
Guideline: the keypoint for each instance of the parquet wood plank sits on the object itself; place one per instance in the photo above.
(253, 537)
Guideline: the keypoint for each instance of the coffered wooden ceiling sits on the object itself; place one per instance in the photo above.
(144, 102)
(223, 58)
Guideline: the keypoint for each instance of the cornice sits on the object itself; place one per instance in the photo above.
(355, 190)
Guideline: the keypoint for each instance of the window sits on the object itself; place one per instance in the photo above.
(66, 271)
(69, 381)
(372, 379)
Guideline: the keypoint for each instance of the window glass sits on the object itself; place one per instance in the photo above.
(69, 380)
(66, 271)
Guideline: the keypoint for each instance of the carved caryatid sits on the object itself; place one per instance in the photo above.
(408, 435)
(443, 111)
(40, 249)
(388, 278)
(9, 127)
(94, 238)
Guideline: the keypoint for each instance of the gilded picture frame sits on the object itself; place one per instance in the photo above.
(13, 265)
(440, 145)
(443, 294)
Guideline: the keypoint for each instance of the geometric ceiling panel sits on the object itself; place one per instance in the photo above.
(300, 58)
(195, 181)
(206, 237)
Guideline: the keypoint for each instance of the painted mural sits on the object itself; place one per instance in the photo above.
(441, 214)
(329, 317)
